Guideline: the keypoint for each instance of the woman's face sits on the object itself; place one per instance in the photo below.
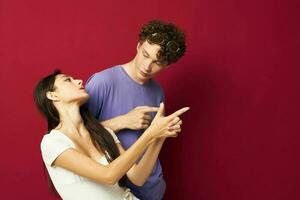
(69, 90)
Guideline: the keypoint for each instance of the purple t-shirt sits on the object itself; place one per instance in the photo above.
(112, 93)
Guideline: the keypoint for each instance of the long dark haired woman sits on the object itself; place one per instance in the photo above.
(84, 159)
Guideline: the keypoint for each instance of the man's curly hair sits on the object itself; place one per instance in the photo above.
(171, 40)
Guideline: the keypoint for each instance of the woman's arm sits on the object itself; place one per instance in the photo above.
(139, 173)
(84, 166)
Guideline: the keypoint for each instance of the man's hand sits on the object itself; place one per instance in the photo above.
(138, 118)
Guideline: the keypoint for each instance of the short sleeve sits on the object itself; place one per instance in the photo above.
(96, 88)
(52, 145)
(163, 98)
(113, 135)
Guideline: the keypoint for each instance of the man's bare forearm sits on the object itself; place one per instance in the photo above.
(116, 124)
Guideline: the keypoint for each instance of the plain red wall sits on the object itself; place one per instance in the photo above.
(240, 77)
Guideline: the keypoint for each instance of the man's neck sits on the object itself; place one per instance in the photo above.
(132, 73)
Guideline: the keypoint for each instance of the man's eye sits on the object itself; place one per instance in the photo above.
(145, 56)
(67, 79)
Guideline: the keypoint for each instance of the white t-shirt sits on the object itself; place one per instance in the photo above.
(71, 186)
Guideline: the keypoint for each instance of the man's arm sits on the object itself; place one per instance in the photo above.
(136, 119)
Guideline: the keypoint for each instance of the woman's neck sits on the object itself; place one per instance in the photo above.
(70, 119)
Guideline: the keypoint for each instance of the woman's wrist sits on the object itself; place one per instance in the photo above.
(148, 136)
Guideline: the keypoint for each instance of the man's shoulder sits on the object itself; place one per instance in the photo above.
(104, 76)
(108, 72)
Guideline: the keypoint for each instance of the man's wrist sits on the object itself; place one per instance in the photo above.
(122, 122)
(116, 124)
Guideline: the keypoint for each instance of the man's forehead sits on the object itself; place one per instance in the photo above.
(150, 47)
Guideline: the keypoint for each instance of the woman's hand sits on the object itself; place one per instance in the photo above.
(166, 126)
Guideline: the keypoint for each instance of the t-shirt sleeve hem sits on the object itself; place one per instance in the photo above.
(113, 134)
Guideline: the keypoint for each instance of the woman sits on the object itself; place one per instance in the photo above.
(85, 160)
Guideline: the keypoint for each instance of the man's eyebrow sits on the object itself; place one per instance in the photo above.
(145, 52)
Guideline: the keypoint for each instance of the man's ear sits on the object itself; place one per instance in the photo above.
(139, 44)
(52, 96)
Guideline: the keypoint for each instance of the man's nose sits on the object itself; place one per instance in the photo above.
(147, 65)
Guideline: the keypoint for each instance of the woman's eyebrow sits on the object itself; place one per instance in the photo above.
(65, 76)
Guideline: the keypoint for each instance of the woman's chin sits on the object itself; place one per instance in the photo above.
(84, 99)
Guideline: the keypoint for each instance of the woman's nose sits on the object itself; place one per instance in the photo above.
(79, 82)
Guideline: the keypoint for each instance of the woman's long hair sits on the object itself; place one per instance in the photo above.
(101, 138)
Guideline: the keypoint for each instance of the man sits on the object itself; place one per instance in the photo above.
(124, 97)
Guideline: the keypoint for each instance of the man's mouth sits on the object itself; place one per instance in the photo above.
(143, 73)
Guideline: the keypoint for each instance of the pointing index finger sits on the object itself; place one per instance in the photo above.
(179, 112)
(147, 109)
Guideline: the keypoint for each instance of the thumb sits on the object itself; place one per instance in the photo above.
(161, 109)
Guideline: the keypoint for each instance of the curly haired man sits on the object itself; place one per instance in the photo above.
(125, 97)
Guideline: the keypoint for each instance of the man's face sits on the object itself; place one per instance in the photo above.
(146, 63)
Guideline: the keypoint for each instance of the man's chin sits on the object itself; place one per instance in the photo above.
(143, 78)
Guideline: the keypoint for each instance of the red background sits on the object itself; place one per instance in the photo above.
(239, 76)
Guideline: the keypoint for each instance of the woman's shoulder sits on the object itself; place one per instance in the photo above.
(53, 144)
(55, 136)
